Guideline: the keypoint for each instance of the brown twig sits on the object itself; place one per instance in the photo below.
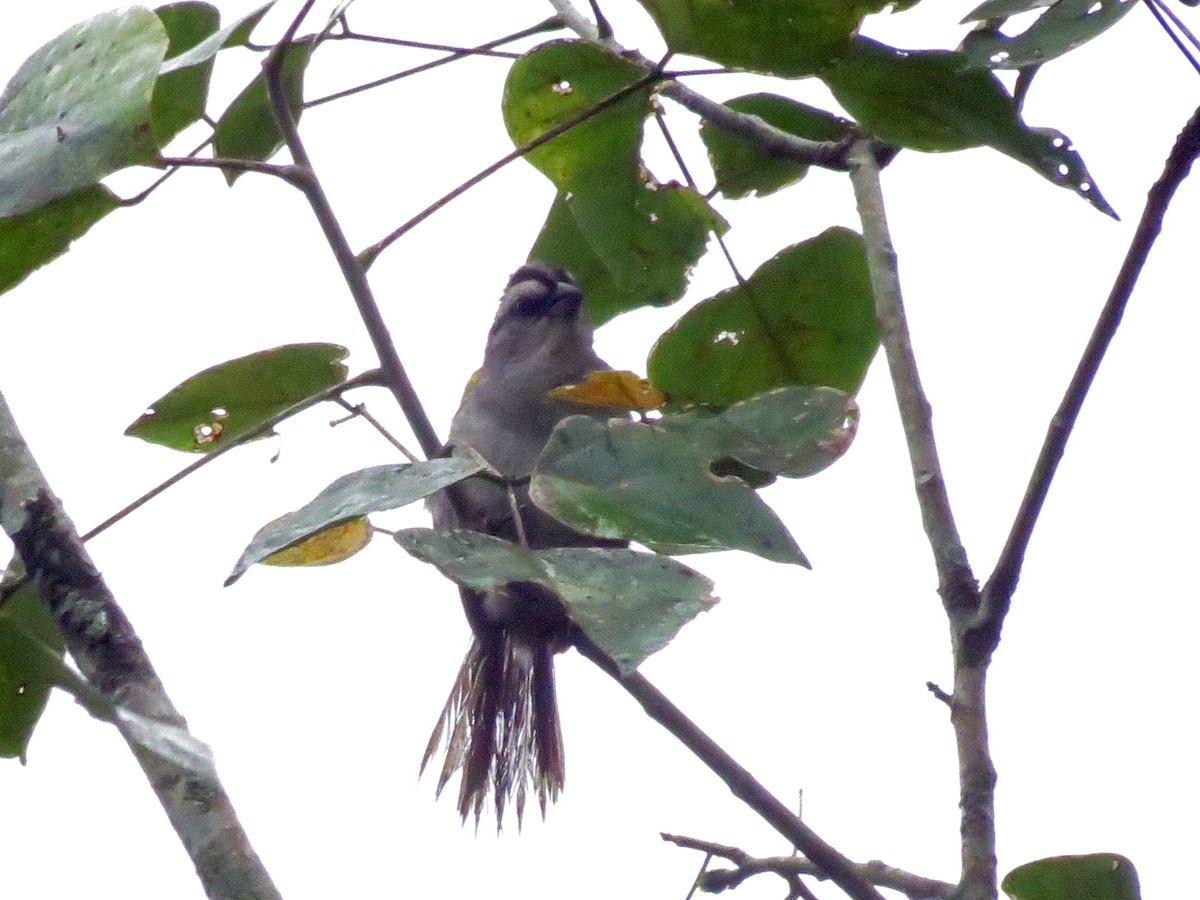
(915, 887)
(289, 174)
(984, 633)
(743, 785)
(455, 54)
(353, 271)
(110, 655)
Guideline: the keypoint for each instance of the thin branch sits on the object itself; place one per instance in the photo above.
(916, 887)
(110, 655)
(289, 174)
(353, 271)
(743, 785)
(161, 179)
(481, 50)
(370, 254)
(360, 411)
(456, 53)
(691, 182)
(984, 634)
(1158, 11)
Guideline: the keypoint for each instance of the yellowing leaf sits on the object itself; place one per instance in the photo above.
(625, 390)
(330, 545)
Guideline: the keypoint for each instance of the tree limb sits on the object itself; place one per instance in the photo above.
(110, 655)
(984, 632)
(956, 582)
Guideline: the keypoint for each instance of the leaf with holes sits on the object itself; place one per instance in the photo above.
(807, 316)
(790, 431)
(1095, 876)
(932, 101)
(354, 496)
(1066, 25)
(79, 109)
(247, 129)
(640, 482)
(559, 80)
(207, 410)
(742, 168)
(630, 604)
(628, 242)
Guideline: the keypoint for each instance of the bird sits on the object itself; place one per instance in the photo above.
(500, 725)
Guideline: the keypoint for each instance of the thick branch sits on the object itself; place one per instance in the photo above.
(956, 582)
(743, 785)
(353, 271)
(110, 655)
(997, 594)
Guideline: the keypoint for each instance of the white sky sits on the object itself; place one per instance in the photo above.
(318, 688)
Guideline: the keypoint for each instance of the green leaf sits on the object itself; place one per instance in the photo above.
(791, 38)
(180, 96)
(355, 495)
(1061, 28)
(931, 101)
(742, 168)
(35, 238)
(630, 604)
(789, 431)
(247, 129)
(1095, 876)
(206, 410)
(30, 643)
(1002, 9)
(629, 243)
(806, 316)
(629, 240)
(637, 481)
(79, 109)
(560, 79)
(236, 34)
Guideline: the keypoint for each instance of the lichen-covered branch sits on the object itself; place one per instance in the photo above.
(108, 652)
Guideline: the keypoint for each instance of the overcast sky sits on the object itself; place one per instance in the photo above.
(317, 689)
